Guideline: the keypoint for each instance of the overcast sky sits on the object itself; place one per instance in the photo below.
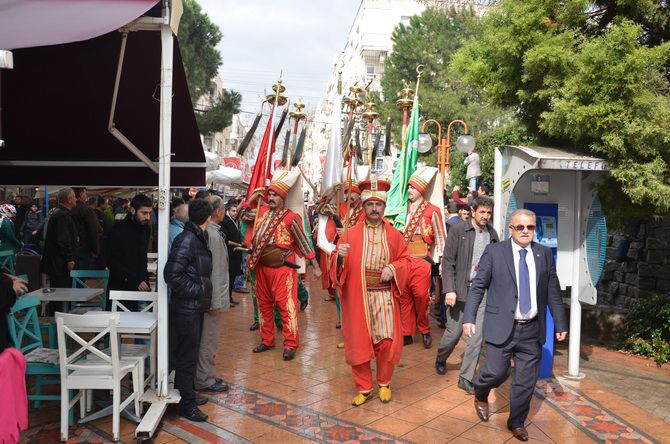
(263, 37)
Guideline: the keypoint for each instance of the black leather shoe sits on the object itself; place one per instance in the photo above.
(233, 303)
(219, 380)
(262, 348)
(427, 340)
(519, 433)
(482, 409)
(193, 413)
(338, 325)
(441, 368)
(289, 353)
(217, 387)
(407, 340)
(442, 325)
(303, 306)
(466, 385)
(201, 400)
(254, 326)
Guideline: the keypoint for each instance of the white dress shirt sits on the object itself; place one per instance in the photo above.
(532, 276)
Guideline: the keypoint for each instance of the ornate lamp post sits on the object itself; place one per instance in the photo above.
(465, 143)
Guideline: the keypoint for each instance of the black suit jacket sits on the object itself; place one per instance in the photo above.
(232, 233)
(497, 275)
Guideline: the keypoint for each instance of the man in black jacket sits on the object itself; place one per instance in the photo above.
(127, 245)
(465, 245)
(187, 273)
(87, 229)
(61, 242)
(231, 229)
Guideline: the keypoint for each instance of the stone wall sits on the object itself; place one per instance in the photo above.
(645, 269)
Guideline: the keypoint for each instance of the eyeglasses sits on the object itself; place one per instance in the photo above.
(521, 227)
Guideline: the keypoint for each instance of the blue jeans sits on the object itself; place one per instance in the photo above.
(473, 183)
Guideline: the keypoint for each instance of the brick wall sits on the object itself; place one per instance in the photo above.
(646, 269)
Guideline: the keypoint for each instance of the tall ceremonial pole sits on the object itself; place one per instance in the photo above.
(353, 103)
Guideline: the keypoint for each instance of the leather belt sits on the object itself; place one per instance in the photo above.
(417, 247)
(273, 256)
(372, 281)
(525, 321)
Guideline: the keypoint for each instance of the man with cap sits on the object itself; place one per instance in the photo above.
(424, 235)
(355, 214)
(279, 243)
(372, 263)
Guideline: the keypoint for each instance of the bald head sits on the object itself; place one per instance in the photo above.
(218, 209)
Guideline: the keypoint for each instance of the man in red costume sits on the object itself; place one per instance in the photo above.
(356, 214)
(372, 263)
(424, 234)
(279, 243)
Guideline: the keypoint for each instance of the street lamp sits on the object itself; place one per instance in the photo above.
(465, 143)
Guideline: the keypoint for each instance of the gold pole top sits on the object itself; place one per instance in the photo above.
(278, 88)
(370, 114)
(298, 115)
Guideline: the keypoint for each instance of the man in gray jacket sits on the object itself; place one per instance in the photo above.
(205, 376)
(465, 245)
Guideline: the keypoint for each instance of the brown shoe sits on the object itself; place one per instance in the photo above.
(519, 433)
(482, 409)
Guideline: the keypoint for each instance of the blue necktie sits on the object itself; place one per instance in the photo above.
(524, 283)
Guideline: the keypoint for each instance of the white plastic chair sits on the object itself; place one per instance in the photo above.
(85, 368)
(139, 351)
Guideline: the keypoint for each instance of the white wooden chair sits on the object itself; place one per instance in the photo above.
(138, 350)
(85, 368)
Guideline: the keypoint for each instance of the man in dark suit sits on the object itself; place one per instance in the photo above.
(231, 229)
(521, 280)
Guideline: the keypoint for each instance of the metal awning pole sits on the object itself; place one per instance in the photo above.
(163, 202)
(162, 395)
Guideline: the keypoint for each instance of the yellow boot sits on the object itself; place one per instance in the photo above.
(362, 398)
(340, 345)
(384, 393)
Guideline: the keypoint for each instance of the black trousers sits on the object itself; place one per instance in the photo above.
(527, 352)
(186, 328)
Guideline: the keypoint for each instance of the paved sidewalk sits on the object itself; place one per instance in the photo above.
(307, 400)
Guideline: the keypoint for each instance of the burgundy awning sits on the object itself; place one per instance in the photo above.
(55, 109)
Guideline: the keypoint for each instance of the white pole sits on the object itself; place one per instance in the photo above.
(165, 145)
(575, 306)
(498, 214)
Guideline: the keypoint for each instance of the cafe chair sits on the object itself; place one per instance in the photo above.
(90, 279)
(140, 351)
(85, 368)
(25, 333)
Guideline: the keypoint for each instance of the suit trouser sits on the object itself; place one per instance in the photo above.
(277, 286)
(527, 352)
(205, 373)
(252, 285)
(186, 326)
(452, 334)
(363, 372)
(414, 301)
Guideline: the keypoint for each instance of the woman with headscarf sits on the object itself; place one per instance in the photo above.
(8, 240)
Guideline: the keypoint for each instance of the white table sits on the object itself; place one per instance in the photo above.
(132, 322)
(67, 294)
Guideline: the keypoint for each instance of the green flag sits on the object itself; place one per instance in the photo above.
(396, 204)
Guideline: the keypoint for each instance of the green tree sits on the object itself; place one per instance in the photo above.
(221, 114)
(431, 39)
(198, 38)
(591, 76)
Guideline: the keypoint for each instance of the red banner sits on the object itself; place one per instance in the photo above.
(233, 162)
